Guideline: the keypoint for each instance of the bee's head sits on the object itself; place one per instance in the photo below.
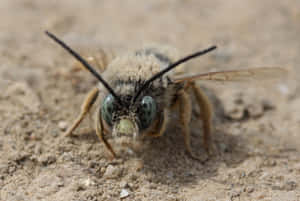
(128, 120)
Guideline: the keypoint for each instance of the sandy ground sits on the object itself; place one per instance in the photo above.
(257, 124)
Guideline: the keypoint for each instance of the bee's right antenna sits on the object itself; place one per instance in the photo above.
(170, 67)
(85, 64)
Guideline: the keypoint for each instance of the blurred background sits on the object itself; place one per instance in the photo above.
(41, 94)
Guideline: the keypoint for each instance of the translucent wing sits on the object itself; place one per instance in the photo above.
(236, 75)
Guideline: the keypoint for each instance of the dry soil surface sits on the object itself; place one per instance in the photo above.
(256, 124)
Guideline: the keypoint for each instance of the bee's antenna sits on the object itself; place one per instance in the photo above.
(85, 64)
(170, 67)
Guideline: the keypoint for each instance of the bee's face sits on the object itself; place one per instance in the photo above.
(130, 120)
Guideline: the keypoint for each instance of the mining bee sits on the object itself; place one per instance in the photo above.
(137, 95)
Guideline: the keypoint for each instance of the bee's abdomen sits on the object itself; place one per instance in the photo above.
(161, 57)
(164, 54)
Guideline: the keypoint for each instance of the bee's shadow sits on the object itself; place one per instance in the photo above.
(167, 159)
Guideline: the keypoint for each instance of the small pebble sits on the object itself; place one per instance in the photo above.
(102, 170)
(62, 125)
(124, 184)
(283, 89)
(112, 172)
(130, 151)
(124, 193)
(250, 189)
(88, 182)
(60, 182)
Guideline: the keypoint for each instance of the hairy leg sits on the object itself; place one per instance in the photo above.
(99, 132)
(185, 110)
(160, 126)
(206, 115)
(85, 107)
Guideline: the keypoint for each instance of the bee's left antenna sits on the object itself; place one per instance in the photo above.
(85, 64)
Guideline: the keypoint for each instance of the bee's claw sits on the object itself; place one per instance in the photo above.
(68, 133)
(202, 159)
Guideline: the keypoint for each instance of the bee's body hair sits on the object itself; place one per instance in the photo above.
(129, 72)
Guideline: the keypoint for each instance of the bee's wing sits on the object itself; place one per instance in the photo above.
(99, 58)
(236, 75)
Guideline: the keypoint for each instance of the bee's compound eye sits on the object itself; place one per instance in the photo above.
(147, 111)
(107, 109)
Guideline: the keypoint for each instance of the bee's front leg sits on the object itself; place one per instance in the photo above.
(160, 125)
(85, 107)
(99, 131)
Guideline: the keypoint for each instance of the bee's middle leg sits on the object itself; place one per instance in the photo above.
(85, 107)
(185, 112)
(206, 116)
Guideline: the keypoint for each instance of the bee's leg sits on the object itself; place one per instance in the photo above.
(160, 125)
(206, 115)
(85, 107)
(185, 111)
(99, 131)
